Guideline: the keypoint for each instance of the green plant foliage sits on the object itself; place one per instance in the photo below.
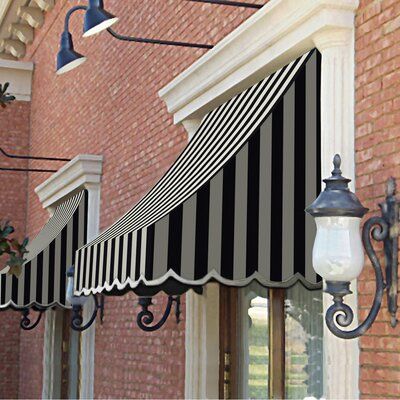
(5, 98)
(16, 251)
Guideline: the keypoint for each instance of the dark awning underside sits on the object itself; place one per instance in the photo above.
(231, 208)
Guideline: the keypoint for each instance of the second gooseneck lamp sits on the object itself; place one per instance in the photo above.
(96, 20)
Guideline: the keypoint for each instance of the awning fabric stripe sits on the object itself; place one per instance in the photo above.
(42, 283)
(231, 208)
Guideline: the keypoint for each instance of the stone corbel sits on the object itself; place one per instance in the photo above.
(191, 126)
(45, 5)
(6, 56)
(14, 47)
(32, 15)
(23, 32)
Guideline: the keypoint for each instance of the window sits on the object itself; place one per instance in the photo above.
(278, 336)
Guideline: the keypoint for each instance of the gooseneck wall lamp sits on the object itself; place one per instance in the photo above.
(338, 254)
(96, 20)
(78, 302)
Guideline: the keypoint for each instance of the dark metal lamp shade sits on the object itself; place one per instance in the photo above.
(67, 57)
(97, 19)
(337, 200)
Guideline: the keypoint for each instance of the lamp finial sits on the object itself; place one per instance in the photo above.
(337, 161)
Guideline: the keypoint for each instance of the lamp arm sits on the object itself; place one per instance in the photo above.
(340, 314)
(157, 41)
(69, 13)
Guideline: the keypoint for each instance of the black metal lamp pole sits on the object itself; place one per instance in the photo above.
(336, 254)
(230, 3)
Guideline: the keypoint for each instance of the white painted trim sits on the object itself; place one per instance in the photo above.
(19, 75)
(275, 35)
(52, 349)
(202, 344)
(83, 172)
(201, 331)
(17, 65)
(341, 357)
(272, 37)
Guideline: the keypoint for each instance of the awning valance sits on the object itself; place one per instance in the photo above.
(231, 208)
(42, 282)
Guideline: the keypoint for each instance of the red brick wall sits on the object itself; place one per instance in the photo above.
(14, 138)
(110, 106)
(377, 157)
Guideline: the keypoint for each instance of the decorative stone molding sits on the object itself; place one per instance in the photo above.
(83, 172)
(32, 15)
(274, 36)
(23, 32)
(45, 5)
(14, 47)
(278, 33)
(191, 126)
(18, 19)
(19, 74)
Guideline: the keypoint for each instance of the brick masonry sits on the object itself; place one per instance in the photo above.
(110, 106)
(377, 158)
(14, 138)
(135, 133)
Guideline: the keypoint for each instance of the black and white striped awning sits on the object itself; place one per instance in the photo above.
(231, 208)
(42, 283)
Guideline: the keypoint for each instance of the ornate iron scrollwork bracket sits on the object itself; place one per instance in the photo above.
(382, 229)
(77, 320)
(25, 323)
(145, 317)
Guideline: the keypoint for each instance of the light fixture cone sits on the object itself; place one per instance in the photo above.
(97, 19)
(67, 57)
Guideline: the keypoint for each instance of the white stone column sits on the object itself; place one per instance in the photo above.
(88, 337)
(83, 172)
(202, 343)
(341, 357)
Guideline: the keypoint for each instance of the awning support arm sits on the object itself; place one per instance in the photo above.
(25, 323)
(145, 317)
(77, 320)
